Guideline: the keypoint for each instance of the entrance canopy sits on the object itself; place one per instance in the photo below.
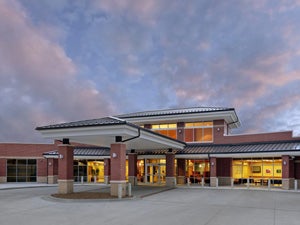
(103, 132)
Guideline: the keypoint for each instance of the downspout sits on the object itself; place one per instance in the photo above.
(129, 139)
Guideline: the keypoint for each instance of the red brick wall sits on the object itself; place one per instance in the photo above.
(287, 167)
(170, 164)
(106, 167)
(118, 164)
(132, 164)
(180, 167)
(24, 150)
(2, 167)
(42, 167)
(213, 166)
(180, 131)
(246, 138)
(224, 167)
(65, 164)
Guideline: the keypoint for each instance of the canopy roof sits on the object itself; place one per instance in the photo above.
(103, 132)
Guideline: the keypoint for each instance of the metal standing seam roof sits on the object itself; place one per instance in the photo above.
(241, 148)
(84, 151)
(85, 123)
(174, 112)
(197, 149)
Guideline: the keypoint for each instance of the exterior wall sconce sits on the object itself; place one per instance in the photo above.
(212, 164)
(284, 163)
(179, 131)
(60, 156)
(114, 155)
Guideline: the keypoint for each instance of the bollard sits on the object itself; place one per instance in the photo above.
(232, 182)
(296, 185)
(202, 181)
(269, 184)
(82, 179)
(217, 182)
(248, 183)
(188, 181)
(95, 179)
(119, 190)
(129, 189)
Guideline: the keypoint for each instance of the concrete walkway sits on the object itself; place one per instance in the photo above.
(201, 206)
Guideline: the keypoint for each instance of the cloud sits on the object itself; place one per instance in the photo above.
(39, 82)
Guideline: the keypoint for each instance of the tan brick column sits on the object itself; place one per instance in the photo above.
(180, 171)
(170, 169)
(118, 168)
(287, 172)
(65, 169)
(213, 171)
(132, 168)
(106, 171)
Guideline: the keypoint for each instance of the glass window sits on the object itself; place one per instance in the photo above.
(199, 132)
(21, 170)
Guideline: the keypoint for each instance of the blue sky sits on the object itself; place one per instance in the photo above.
(66, 60)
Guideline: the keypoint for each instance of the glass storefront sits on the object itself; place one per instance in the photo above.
(91, 170)
(257, 171)
(196, 169)
(21, 170)
(152, 171)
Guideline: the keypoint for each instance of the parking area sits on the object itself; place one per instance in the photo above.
(152, 205)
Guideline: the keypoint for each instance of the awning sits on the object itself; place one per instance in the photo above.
(103, 132)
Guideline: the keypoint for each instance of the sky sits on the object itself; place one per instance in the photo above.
(70, 60)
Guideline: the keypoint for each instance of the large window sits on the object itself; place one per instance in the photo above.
(21, 170)
(196, 169)
(169, 130)
(198, 132)
(258, 171)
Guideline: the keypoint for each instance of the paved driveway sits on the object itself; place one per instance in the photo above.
(178, 206)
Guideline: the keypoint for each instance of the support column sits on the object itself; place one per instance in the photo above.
(288, 177)
(52, 171)
(180, 171)
(118, 168)
(224, 171)
(3, 178)
(170, 169)
(65, 169)
(213, 171)
(106, 171)
(132, 168)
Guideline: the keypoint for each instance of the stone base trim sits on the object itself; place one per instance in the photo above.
(114, 187)
(224, 181)
(180, 179)
(41, 179)
(52, 179)
(171, 181)
(288, 183)
(3, 179)
(65, 186)
(213, 182)
(132, 180)
(106, 179)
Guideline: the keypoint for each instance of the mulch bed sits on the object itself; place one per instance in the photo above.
(85, 195)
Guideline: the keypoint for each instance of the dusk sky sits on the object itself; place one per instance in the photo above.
(68, 60)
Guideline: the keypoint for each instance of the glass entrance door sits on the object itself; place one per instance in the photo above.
(155, 173)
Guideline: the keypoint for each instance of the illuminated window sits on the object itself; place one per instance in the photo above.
(198, 132)
(167, 129)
